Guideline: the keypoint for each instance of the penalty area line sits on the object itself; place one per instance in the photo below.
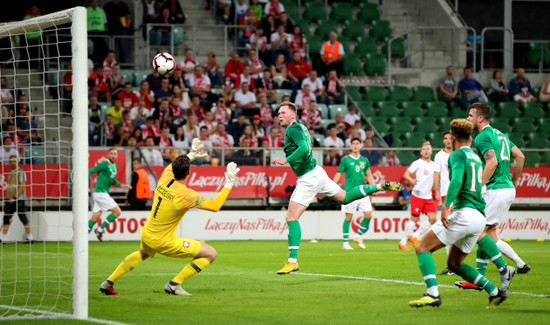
(405, 282)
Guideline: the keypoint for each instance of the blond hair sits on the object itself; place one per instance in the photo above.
(290, 105)
(461, 128)
(427, 143)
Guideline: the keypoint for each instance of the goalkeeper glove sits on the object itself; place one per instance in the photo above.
(195, 152)
(231, 175)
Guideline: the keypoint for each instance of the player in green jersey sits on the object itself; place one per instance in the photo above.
(312, 180)
(496, 151)
(357, 170)
(463, 227)
(106, 176)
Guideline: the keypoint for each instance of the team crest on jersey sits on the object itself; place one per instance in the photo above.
(186, 244)
(362, 164)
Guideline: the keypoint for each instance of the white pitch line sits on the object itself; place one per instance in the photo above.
(407, 282)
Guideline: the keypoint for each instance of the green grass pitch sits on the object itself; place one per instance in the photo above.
(333, 286)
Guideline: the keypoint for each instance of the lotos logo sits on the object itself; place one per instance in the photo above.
(186, 244)
(534, 180)
(356, 223)
(378, 176)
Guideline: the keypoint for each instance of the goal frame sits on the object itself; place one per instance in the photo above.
(78, 18)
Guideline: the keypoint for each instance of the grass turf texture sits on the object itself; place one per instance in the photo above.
(241, 287)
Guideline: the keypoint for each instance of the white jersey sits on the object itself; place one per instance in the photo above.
(424, 172)
(441, 161)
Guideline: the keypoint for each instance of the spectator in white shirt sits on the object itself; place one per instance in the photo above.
(303, 99)
(351, 117)
(245, 101)
(331, 139)
(7, 151)
(316, 85)
(152, 155)
(280, 44)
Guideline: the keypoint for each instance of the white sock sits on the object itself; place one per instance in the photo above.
(409, 228)
(29, 236)
(433, 291)
(494, 292)
(292, 260)
(509, 252)
(422, 229)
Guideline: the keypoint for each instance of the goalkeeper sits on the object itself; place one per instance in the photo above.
(158, 235)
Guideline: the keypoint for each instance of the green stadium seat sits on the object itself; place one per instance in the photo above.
(405, 157)
(426, 124)
(397, 48)
(376, 63)
(320, 138)
(354, 92)
(337, 108)
(398, 93)
(368, 12)
(380, 29)
(304, 25)
(396, 142)
(366, 45)
(545, 158)
(436, 109)
(524, 125)
(537, 140)
(53, 78)
(315, 43)
(517, 139)
(325, 28)
(323, 109)
(352, 64)
(445, 122)
(533, 110)
(435, 138)
(414, 139)
(532, 158)
(375, 93)
(314, 12)
(400, 125)
(538, 52)
(179, 35)
(128, 75)
(536, 92)
(412, 109)
(284, 92)
(139, 76)
(35, 154)
(387, 108)
(508, 109)
(341, 11)
(291, 8)
(544, 124)
(379, 124)
(501, 124)
(422, 94)
(354, 31)
(366, 108)
(90, 47)
(326, 122)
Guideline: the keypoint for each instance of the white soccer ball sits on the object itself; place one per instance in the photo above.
(164, 63)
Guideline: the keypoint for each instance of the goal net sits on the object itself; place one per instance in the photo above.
(44, 249)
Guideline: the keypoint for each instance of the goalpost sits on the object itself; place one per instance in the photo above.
(47, 278)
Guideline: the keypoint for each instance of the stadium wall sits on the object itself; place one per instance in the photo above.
(259, 225)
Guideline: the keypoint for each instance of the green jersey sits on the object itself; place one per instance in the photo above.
(298, 144)
(491, 138)
(106, 175)
(355, 169)
(466, 174)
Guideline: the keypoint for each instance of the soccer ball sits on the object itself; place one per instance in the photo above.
(164, 63)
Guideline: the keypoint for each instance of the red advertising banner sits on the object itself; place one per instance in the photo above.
(42, 180)
(96, 157)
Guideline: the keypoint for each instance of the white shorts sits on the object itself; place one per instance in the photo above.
(103, 202)
(498, 204)
(313, 183)
(361, 205)
(465, 227)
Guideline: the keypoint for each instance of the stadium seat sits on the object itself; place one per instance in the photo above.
(291, 8)
(380, 29)
(352, 64)
(544, 125)
(35, 154)
(387, 108)
(532, 158)
(436, 109)
(90, 47)
(508, 109)
(284, 92)
(323, 109)
(501, 124)
(366, 45)
(128, 75)
(422, 94)
(327, 122)
(368, 12)
(325, 28)
(376, 63)
(337, 108)
(533, 110)
(375, 93)
(178, 35)
(320, 138)
(139, 76)
(538, 52)
(397, 48)
(435, 138)
(426, 124)
(524, 125)
(537, 140)
(517, 139)
(315, 43)
(354, 31)
(400, 125)
(365, 106)
(341, 11)
(444, 122)
(412, 109)
(398, 93)
(414, 139)
(354, 92)
(458, 112)
(345, 41)
(53, 78)
(406, 157)
(304, 24)
(379, 124)
(314, 12)
(396, 142)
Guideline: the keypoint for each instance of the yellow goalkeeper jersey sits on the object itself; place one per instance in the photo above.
(171, 202)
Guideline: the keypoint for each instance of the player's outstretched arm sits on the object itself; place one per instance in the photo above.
(195, 152)
(230, 179)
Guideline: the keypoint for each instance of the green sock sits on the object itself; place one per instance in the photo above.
(482, 260)
(91, 224)
(294, 237)
(490, 248)
(345, 230)
(364, 226)
(359, 192)
(471, 275)
(107, 221)
(427, 267)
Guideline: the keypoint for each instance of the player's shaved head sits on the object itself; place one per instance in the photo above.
(181, 166)
(461, 129)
